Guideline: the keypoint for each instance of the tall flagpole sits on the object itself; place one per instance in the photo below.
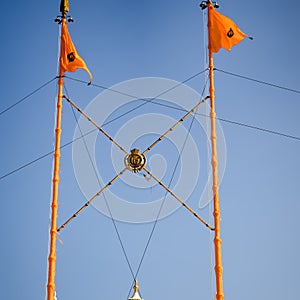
(214, 163)
(56, 179)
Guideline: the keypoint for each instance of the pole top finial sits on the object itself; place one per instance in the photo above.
(136, 295)
(64, 7)
(136, 285)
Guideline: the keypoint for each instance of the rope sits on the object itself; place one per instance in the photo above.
(27, 96)
(289, 136)
(178, 199)
(91, 200)
(259, 129)
(95, 124)
(259, 81)
(106, 202)
(146, 101)
(175, 125)
(132, 96)
(162, 204)
(167, 189)
(234, 122)
(157, 103)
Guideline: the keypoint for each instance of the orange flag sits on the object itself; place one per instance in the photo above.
(70, 60)
(223, 32)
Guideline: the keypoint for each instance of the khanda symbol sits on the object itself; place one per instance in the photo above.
(135, 161)
(71, 56)
(230, 33)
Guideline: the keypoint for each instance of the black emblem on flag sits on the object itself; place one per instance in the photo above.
(71, 57)
(230, 33)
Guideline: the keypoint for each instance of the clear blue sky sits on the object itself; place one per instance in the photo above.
(122, 40)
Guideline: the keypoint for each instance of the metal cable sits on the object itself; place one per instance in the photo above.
(178, 199)
(289, 136)
(166, 193)
(175, 125)
(96, 125)
(27, 96)
(258, 81)
(146, 101)
(90, 200)
(157, 103)
(105, 199)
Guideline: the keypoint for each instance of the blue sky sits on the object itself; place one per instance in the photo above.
(124, 40)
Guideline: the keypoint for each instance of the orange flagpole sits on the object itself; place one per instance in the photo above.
(54, 205)
(214, 163)
(56, 179)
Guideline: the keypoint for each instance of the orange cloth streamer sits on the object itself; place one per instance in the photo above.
(223, 32)
(70, 60)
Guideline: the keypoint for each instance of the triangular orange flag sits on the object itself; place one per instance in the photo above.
(70, 60)
(223, 32)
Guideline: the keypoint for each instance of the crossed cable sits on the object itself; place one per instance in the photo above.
(135, 162)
